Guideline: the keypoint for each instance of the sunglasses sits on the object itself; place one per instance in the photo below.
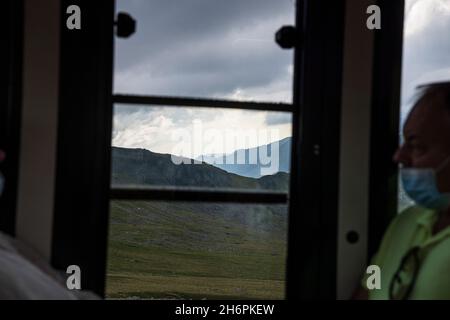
(403, 282)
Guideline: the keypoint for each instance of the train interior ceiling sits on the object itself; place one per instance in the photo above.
(119, 119)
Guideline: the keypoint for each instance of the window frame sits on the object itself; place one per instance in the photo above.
(82, 238)
(81, 200)
(317, 124)
(175, 193)
(10, 111)
(312, 251)
(314, 178)
(202, 195)
(385, 121)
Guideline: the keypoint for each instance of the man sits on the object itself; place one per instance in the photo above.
(414, 256)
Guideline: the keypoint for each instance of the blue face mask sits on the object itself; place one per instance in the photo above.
(420, 185)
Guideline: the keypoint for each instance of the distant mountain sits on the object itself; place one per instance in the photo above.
(143, 167)
(251, 167)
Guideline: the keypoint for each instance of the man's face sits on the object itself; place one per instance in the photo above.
(427, 140)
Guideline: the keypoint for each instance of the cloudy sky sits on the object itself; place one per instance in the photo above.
(229, 53)
(426, 51)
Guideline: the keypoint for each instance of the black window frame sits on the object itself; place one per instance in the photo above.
(385, 121)
(81, 205)
(10, 110)
(315, 110)
(83, 190)
(312, 251)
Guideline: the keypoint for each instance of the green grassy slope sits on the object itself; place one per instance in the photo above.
(196, 251)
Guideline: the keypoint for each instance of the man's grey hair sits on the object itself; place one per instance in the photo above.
(440, 90)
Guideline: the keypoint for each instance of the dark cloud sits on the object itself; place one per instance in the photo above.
(164, 24)
(202, 47)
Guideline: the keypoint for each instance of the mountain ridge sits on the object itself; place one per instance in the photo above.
(143, 167)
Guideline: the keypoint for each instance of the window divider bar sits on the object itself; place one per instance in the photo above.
(197, 195)
(200, 102)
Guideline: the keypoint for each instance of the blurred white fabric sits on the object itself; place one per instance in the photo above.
(24, 275)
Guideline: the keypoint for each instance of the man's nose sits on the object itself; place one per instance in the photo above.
(400, 157)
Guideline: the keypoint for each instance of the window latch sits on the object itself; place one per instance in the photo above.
(286, 37)
(125, 25)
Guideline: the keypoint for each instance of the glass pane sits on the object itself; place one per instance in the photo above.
(425, 54)
(201, 147)
(174, 250)
(203, 48)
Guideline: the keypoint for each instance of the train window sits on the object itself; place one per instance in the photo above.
(201, 150)
(425, 55)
